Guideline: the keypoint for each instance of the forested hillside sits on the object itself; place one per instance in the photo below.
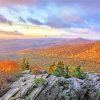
(85, 51)
(86, 55)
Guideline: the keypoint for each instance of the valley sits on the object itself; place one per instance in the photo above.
(72, 52)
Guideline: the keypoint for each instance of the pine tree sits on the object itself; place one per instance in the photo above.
(61, 70)
(25, 64)
(52, 68)
(79, 73)
(60, 65)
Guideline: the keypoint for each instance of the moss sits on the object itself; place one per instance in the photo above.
(67, 98)
(40, 81)
(65, 86)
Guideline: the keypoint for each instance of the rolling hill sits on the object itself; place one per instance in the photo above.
(85, 51)
(43, 52)
(85, 54)
(12, 45)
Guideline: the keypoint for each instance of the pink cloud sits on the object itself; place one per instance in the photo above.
(19, 2)
(82, 33)
(10, 33)
(73, 18)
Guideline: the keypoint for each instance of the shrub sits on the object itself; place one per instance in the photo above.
(40, 81)
(79, 73)
(5, 80)
(60, 70)
(9, 66)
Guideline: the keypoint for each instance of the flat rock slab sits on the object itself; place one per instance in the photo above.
(35, 93)
(44, 76)
(25, 89)
(9, 94)
(26, 72)
(50, 91)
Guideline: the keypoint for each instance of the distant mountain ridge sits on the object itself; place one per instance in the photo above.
(43, 52)
(21, 44)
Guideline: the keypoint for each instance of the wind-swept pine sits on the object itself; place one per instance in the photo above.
(25, 64)
(79, 73)
(59, 69)
(52, 68)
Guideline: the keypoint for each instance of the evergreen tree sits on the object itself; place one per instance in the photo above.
(61, 70)
(52, 68)
(79, 73)
(25, 64)
(60, 64)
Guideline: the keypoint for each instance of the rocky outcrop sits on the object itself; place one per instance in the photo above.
(55, 88)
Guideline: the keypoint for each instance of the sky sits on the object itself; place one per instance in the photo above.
(50, 18)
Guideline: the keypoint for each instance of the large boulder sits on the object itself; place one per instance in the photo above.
(56, 88)
(51, 91)
(92, 90)
(93, 77)
(76, 88)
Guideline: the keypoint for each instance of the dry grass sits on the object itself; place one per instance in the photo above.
(5, 81)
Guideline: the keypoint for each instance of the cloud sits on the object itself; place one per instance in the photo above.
(85, 33)
(17, 2)
(54, 13)
(10, 3)
(10, 33)
(34, 21)
(31, 31)
(86, 4)
(4, 20)
(80, 17)
(74, 18)
(66, 21)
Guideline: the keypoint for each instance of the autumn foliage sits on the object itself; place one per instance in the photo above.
(8, 72)
(86, 55)
(90, 51)
(9, 66)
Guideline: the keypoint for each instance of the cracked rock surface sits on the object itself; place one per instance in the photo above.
(55, 88)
